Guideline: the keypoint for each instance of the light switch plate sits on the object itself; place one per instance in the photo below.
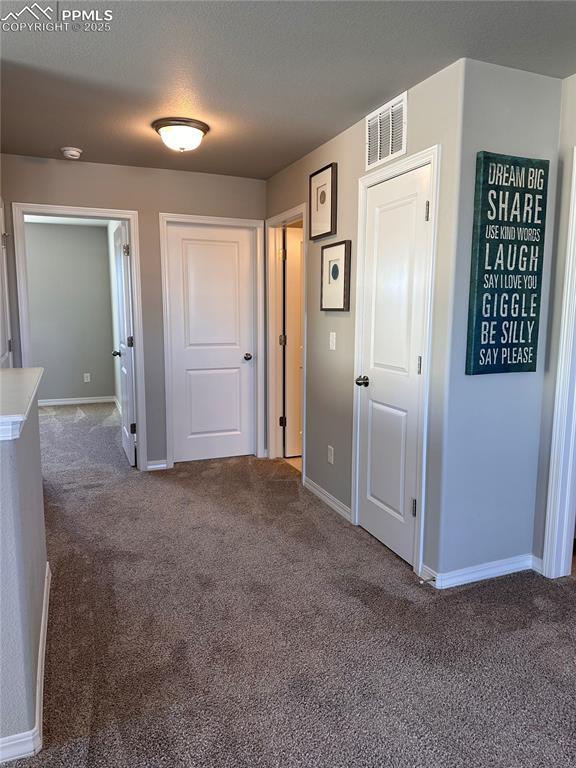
(86, 378)
(332, 341)
(330, 454)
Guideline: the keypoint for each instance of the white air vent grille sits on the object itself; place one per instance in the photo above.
(386, 132)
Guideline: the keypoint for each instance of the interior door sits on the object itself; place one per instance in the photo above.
(211, 280)
(294, 347)
(125, 349)
(5, 335)
(394, 298)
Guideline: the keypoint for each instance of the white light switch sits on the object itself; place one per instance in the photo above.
(332, 341)
(86, 378)
(330, 454)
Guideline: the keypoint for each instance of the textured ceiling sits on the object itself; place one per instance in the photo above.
(273, 79)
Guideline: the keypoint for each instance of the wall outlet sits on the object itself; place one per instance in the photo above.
(330, 454)
(86, 378)
(332, 341)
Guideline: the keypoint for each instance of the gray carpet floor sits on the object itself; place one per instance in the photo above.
(217, 615)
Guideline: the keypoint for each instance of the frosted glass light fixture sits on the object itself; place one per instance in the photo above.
(180, 133)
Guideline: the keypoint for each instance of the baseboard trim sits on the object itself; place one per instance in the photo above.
(29, 743)
(328, 499)
(117, 404)
(538, 564)
(78, 400)
(152, 466)
(482, 572)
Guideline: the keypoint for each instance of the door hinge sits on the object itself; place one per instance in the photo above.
(10, 345)
(283, 254)
(427, 214)
(133, 428)
(414, 505)
(419, 365)
(282, 340)
(130, 341)
(4, 239)
(126, 249)
(282, 421)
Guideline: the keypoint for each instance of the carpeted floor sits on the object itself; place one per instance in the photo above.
(218, 615)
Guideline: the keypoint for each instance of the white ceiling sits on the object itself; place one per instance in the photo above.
(273, 79)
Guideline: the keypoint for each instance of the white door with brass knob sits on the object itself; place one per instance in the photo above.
(211, 279)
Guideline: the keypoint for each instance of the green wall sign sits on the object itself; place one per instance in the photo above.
(507, 254)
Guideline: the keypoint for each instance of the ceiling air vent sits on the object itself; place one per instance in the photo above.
(386, 132)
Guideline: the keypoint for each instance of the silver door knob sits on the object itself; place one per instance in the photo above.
(247, 356)
(116, 353)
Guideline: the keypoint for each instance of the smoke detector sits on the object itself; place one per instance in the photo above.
(71, 153)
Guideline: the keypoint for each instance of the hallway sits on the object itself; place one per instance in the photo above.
(218, 614)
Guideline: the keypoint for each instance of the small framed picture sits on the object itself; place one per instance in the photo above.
(335, 277)
(323, 201)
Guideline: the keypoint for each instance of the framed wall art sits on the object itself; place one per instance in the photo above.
(323, 201)
(507, 263)
(335, 277)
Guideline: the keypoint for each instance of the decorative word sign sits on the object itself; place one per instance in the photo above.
(507, 253)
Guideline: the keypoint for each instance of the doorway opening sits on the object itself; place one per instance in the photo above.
(286, 337)
(78, 296)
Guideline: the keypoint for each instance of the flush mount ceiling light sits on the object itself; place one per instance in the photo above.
(71, 153)
(180, 133)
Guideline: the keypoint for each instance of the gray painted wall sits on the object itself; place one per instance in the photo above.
(492, 433)
(434, 117)
(22, 572)
(70, 309)
(480, 507)
(481, 483)
(147, 191)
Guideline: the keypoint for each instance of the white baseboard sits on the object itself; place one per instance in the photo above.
(154, 465)
(117, 404)
(78, 400)
(328, 499)
(481, 572)
(537, 564)
(29, 743)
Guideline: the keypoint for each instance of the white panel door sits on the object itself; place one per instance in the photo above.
(125, 350)
(294, 349)
(5, 336)
(393, 331)
(211, 276)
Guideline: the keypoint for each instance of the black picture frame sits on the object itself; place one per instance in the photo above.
(347, 262)
(313, 234)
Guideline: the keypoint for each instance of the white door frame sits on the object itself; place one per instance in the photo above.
(274, 227)
(257, 226)
(561, 502)
(405, 165)
(19, 210)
